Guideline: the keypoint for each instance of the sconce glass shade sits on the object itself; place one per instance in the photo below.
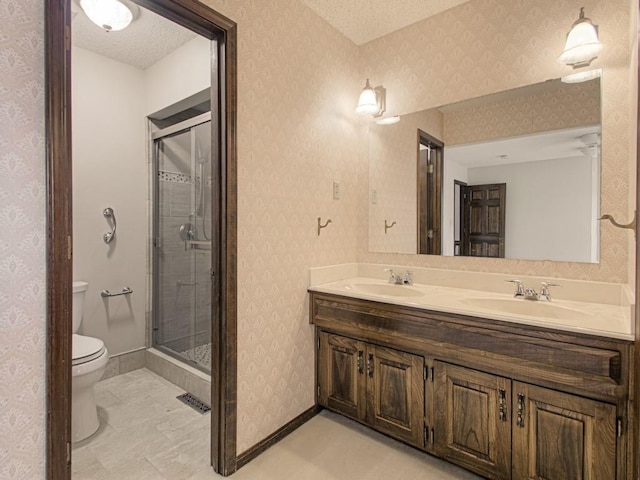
(582, 45)
(582, 76)
(111, 15)
(368, 101)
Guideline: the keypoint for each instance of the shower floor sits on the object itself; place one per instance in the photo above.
(200, 355)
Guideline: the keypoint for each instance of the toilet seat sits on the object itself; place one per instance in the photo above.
(86, 349)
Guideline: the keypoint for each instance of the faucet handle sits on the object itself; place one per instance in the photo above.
(519, 289)
(407, 280)
(544, 290)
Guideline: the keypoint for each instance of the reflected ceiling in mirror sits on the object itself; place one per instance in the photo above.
(542, 142)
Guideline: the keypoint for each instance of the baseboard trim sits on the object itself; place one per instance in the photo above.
(276, 436)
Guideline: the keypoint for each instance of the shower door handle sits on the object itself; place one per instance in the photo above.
(109, 213)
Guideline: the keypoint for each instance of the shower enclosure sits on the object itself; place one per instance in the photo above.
(182, 232)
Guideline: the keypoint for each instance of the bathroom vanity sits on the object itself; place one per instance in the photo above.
(507, 398)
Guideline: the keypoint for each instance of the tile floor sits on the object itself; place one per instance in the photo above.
(146, 433)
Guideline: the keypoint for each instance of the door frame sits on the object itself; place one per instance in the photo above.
(203, 20)
(429, 185)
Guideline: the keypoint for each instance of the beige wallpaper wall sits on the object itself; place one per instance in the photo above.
(487, 46)
(554, 107)
(298, 81)
(392, 175)
(298, 84)
(22, 241)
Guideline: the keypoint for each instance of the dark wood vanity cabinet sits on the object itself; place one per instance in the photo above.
(506, 401)
(380, 386)
(473, 421)
(506, 429)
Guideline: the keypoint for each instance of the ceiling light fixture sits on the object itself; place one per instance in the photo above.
(582, 45)
(372, 101)
(111, 15)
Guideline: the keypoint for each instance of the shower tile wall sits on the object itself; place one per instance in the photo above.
(180, 318)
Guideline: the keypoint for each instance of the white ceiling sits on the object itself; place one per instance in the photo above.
(148, 39)
(364, 20)
(552, 145)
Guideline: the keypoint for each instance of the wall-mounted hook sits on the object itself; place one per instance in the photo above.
(387, 227)
(109, 214)
(320, 226)
(631, 225)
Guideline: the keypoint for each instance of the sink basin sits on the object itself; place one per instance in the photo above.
(388, 290)
(527, 307)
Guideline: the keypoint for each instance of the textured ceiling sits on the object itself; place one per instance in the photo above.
(148, 39)
(364, 20)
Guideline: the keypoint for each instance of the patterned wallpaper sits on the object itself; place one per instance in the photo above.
(559, 106)
(298, 81)
(392, 174)
(483, 47)
(298, 84)
(22, 241)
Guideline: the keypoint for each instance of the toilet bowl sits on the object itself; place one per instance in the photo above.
(90, 359)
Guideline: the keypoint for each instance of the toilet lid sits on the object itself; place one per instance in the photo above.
(86, 349)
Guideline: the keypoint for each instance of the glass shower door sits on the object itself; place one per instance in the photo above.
(182, 242)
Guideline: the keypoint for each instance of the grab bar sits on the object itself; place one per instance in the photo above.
(107, 293)
(109, 213)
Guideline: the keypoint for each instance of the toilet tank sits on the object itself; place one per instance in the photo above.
(79, 292)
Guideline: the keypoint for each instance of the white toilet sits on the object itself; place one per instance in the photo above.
(89, 362)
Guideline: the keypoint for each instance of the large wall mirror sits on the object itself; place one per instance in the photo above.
(514, 174)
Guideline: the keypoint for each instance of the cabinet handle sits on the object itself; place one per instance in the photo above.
(502, 404)
(360, 362)
(521, 411)
(370, 365)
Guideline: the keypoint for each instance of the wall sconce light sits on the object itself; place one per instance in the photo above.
(372, 101)
(582, 76)
(111, 15)
(582, 45)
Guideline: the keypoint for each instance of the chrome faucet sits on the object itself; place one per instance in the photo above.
(530, 293)
(399, 279)
(544, 294)
(519, 288)
(393, 277)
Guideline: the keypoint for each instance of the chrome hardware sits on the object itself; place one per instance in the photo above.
(502, 404)
(530, 294)
(109, 214)
(370, 365)
(544, 294)
(519, 289)
(107, 293)
(521, 412)
(387, 227)
(180, 283)
(320, 226)
(433, 436)
(407, 280)
(360, 362)
(393, 277)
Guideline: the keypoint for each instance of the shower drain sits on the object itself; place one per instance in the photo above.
(194, 402)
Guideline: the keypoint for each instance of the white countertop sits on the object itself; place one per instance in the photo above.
(601, 319)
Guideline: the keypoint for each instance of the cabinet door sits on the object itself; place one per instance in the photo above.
(341, 375)
(562, 436)
(395, 393)
(472, 420)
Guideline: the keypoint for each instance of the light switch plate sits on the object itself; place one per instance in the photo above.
(336, 190)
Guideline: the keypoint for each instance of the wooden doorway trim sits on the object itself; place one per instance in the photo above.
(196, 16)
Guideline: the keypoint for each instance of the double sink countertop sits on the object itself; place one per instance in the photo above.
(607, 318)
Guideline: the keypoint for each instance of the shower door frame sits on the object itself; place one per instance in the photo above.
(156, 137)
(196, 16)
